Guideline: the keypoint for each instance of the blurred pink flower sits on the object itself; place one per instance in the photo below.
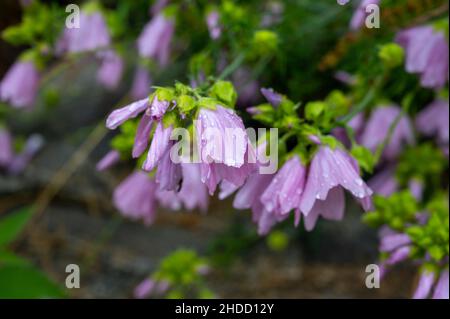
(6, 151)
(135, 197)
(426, 54)
(20, 84)
(212, 21)
(434, 120)
(154, 41)
(377, 130)
(111, 69)
(141, 84)
(109, 160)
(93, 34)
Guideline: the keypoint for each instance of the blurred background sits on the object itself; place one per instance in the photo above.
(63, 213)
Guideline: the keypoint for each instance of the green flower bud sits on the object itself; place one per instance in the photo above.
(264, 43)
(392, 55)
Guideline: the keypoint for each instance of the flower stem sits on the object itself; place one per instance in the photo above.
(232, 67)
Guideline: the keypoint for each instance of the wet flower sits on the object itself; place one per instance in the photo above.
(157, 108)
(135, 197)
(109, 160)
(160, 144)
(110, 71)
(359, 17)
(212, 21)
(142, 136)
(154, 41)
(141, 84)
(332, 208)
(20, 84)
(329, 169)
(223, 147)
(168, 174)
(434, 120)
(426, 54)
(92, 35)
(119, 116)
(285, 190)
(378, 127)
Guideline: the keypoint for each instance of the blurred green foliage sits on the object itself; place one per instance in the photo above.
(18, 277)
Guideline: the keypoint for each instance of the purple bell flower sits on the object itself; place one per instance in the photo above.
(110, 72)
(434, 120)
(426, 54)
(154, 41)
(92, 35)
(329, 169)
(135, 197)
(377, 130)
(20, 84)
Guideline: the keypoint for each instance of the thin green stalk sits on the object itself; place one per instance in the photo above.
(232, 67)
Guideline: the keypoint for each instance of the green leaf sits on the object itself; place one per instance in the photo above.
(12, 224)
(208, 103)
(224, 91)
(365, 158)
(165, 94)
(26, 282)
(185, 103)
(314, 109)
(8, 258)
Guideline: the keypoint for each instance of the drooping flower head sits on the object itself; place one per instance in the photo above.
(378, 127)
(154, 41)
(141, 83)
(109, 160)
(111, 69)
(426, 54)
(434, 120)
(192, 194)
(223, 147)
(93, 34)
(135, 197)
(20, 84)
(329, 169)
(285, 190)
